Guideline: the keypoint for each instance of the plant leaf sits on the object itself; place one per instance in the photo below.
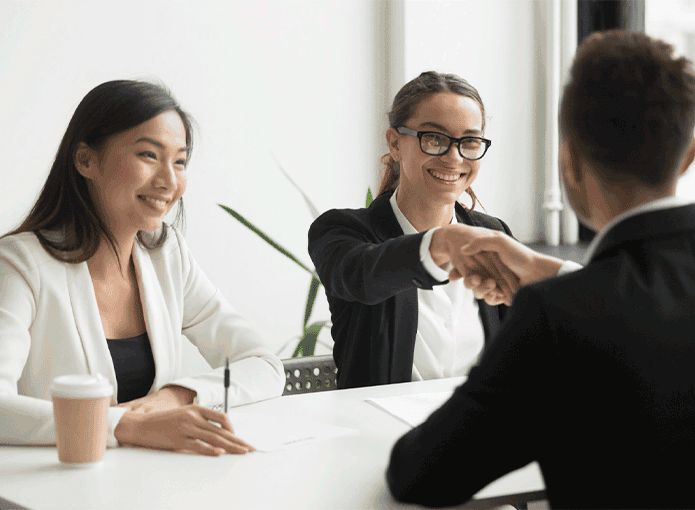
(267, 239)
(311, 299)
(307, 344)
(370, 199)
(312, 208)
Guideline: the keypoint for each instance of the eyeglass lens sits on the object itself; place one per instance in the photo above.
(436, 144)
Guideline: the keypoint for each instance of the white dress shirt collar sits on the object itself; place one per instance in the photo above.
(407, 227)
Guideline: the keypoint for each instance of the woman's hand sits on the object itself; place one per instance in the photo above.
(169, 397)
(446, 248)
(485, 289)
(191, 428)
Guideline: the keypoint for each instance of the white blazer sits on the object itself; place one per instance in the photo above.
(50, 326)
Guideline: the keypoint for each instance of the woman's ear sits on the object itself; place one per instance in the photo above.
(392, 140)
(85, 160)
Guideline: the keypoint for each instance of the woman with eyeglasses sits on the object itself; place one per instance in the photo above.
(399, 311)
(94, 282)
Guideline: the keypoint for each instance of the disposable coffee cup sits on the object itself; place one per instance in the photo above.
(80, 408)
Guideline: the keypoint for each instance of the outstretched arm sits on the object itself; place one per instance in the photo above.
(526, 264)
(354, 265)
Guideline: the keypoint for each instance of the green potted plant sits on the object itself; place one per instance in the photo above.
(310, 331)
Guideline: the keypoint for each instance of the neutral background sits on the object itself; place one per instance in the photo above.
(309, 81)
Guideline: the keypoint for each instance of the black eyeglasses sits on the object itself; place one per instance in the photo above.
(438, 144)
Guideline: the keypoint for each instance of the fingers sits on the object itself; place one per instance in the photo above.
(455, 275)
(209, 431)
(496, 298)
(503, 284)
(200, 447)
(486, 290)
(474, 281)
(190, 428)
(510, 279)
(216, 441)
(509, 276)
(215, 416)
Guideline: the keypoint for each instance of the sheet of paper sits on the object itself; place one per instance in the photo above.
(269, 433)
(412, 409)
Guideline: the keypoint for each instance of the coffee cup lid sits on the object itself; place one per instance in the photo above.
(81, 386)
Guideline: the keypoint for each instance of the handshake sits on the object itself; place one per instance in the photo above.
(491, 263)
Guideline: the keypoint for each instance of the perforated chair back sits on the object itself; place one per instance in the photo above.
(309, 374)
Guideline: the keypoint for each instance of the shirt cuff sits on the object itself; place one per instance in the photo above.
(433, 269)
(114, 416)
(568, 267)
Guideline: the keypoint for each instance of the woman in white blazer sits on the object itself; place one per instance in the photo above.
(93, 281)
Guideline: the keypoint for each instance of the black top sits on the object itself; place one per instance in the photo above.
(134, 365)
(371, 272)
(600, 364)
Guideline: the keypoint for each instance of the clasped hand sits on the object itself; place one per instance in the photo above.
(491, 263)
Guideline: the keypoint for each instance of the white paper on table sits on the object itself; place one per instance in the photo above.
(269, 433)
(412, 409)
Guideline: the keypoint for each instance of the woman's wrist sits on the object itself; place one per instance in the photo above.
(439, 250)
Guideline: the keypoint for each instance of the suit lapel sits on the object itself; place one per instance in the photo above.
(463, 216)
(156, 316)
(383, 221)
(88, 322)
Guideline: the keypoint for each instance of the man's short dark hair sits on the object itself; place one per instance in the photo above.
(629, 106)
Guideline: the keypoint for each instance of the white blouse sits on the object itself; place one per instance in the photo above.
(450, 335)
(50, 326)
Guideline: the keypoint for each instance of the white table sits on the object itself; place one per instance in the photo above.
(346, 472)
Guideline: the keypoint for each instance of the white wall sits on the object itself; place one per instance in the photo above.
(298, 78)
(674, 22)
(309, 80)
(492, 44)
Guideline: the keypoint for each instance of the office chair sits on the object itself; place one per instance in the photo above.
(309, 374)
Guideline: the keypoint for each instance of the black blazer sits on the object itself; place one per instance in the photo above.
(371, 272)
(601, 365)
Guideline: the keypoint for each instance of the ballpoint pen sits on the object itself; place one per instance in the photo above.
(226, 384)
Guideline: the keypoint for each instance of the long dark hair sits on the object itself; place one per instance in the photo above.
(404, 105)
(64, 217)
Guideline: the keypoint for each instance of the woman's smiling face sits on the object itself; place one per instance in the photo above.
(437, 179)
(139, 174)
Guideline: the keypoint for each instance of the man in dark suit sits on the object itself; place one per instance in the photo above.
(597, 365)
